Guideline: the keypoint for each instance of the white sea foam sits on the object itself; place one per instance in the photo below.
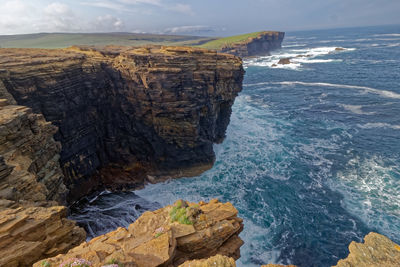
(371, 192)
(297, 57)
(387, 34)
(356, 109)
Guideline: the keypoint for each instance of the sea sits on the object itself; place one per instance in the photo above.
(311, 158)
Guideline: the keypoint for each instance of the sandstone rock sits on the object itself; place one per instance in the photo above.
(123, 113)
(261, 45)
(284, 61)
(340, 49)
(277, 265)
(215, 261)
(377, 250)
(29, 234)
(29, 167)
(155, 240)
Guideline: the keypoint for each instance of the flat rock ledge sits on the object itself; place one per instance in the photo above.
(166, 237)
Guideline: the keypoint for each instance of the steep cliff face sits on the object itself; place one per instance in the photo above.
(261, 45)
(126, 114)
(30, 172)
(166, 237)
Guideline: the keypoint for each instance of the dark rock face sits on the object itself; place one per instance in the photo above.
(126, 114)
(261, 45)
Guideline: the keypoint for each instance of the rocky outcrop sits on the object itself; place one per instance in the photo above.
(30, 172)
(29, 234)
(215, 261)
(126, 116)
(377, 250)
(261, 45)
(168, 236)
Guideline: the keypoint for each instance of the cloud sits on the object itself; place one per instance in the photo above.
(107, 23)
(182, 8)
(128, 5)
(17, 17)
(196, 29)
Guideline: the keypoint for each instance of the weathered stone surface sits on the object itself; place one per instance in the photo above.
(377, 250)
(29, 166)
(261, 45)
(126, 115)
(284, 61)
(215, 261)
(29, 234)
(154, 240)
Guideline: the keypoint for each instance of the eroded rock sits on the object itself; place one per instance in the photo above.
(215, 261)
(377, 250)
(29, 234)
(155, 240)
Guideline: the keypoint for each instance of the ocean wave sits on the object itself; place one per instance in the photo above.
(297, 57)
(387, 34)
(356, 109)
(383, 93)
(372, 125)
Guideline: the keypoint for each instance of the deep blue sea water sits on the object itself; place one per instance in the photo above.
(312, 154)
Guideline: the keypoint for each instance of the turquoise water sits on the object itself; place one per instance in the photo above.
(312, 154)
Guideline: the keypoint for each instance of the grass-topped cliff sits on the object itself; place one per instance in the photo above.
(227, 41)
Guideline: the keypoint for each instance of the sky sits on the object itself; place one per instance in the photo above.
(192, 17)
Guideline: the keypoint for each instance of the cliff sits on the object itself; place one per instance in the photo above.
(126, 116)
(166, 237)
(260, 45)
(29, 169)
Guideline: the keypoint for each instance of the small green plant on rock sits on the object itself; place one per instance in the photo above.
(113, 263)
(179, 213)
(45, 264)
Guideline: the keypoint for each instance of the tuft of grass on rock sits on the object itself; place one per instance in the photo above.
(179, 213)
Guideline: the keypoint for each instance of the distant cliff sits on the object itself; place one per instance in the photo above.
(126, 115)
(248, 45)
(261, 45)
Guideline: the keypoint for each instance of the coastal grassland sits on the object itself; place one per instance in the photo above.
(62, 40)
(223, 42)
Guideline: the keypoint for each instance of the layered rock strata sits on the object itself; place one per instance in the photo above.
(168, 236)
(126, 115)
(261, 45)
(30, 172)
(29, 234)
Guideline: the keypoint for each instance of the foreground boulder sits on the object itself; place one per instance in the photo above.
(215, 261)
(29, 234)
(168, 236)
(377, 250)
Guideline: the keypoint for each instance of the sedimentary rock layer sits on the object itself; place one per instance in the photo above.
(29, 234)
(377, 250)
(29, 159)
(126, 114)
(165, 237)
(260, 45)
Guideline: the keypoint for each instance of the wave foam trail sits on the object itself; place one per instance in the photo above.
(383, 93)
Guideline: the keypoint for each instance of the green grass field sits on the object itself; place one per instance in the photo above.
(219, 43)
(62, 40)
